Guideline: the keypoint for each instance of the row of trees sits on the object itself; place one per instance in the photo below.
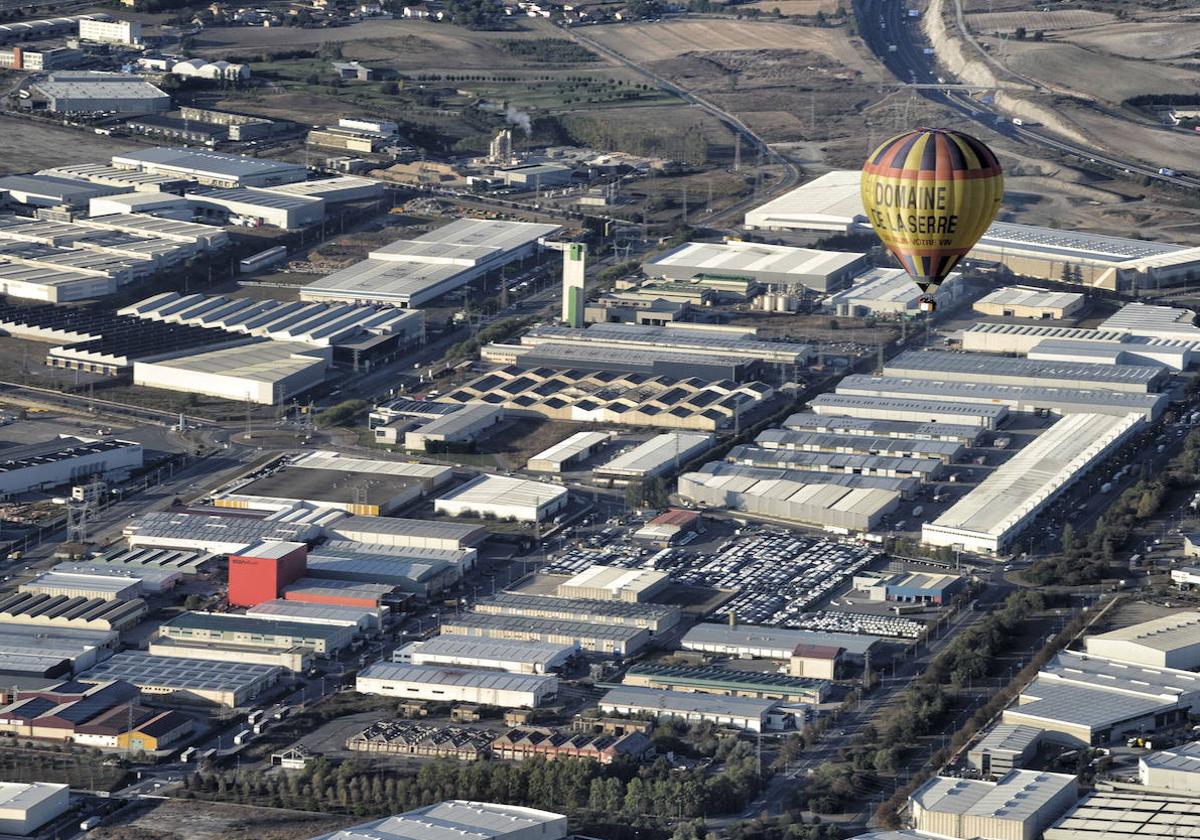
(921, 709)
(550, 50)
(1088, 559)
(622, 792)
(498, 331)
(342, 414)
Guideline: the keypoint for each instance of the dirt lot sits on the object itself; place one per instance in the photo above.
(422, 41)
(192, 820)
(1158, 41)
(803, 8)
(28, 145)
(1034, 20)
(650, 42)
(1101, 76)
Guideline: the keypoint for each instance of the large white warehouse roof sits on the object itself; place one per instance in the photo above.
(830, 202)
(990, 515)
(459, 819)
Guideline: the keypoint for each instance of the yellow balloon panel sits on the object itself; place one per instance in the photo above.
(930, 195)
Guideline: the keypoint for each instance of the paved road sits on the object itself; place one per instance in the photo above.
(895, 44)
(792, 172)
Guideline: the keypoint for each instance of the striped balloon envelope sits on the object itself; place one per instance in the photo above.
(930, 194)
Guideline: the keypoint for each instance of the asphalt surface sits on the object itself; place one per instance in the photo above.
(894, 39)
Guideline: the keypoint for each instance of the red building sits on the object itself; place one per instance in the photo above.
(260, 572)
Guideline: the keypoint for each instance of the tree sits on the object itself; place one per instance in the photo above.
(342, 414)
(634, 493)
(1019, 33)
(1069, 545)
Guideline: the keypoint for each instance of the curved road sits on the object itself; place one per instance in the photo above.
(792, 172)
(886, 29)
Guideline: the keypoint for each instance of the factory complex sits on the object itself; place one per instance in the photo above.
(408, 273)
(831, 204)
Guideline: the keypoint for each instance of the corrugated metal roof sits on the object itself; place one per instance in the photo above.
(458, 676)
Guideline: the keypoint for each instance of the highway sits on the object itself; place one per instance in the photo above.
(885, 25)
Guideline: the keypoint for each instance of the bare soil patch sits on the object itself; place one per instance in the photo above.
(26, 145)
(1102, 76)
(1158, 41)
(647, 42)
(175, 819)
(1033, 20)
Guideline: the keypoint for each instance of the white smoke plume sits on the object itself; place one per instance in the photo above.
(513, 116)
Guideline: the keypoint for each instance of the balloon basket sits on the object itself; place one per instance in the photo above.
(927, 304)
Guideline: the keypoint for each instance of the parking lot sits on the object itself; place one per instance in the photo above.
(832, 621)
(778, 576)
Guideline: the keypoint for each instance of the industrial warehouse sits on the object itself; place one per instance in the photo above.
(962, 434)
(469, 685)
(746, 713)
(889, 292)
(1061, 399)
(624, 399)
(409, 273)
(62, 262)
(795, 269)
(724, 345)
(1115, 346)
(994, 513)
(660, 455)
(605, 639)
(188, 681)
(656, 618)
(578, 447)
(355, 485)
(903, 409)
(515, 656)
(831, 204)
(853, 502)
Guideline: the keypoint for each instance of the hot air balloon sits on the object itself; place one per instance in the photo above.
(930, 194)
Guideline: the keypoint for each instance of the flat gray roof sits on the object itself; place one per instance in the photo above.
(232, 623)
(408, 527)
(753, 259)
(1018, 795)
(1168, 633)
(1072, 243)
(198, 162)
(459, 820)
(841, 461)
(665, 701)
(454, 675)
(999, 397)
(1184, 758)
(935, 362)
(1095, 708)
(832, 442)
(259, 198)
(142, 669)
(1120, 815)
(499, 650)
(1009, 738)
(752, 636)
(578, 629)
(996, 412)
(622, 609)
